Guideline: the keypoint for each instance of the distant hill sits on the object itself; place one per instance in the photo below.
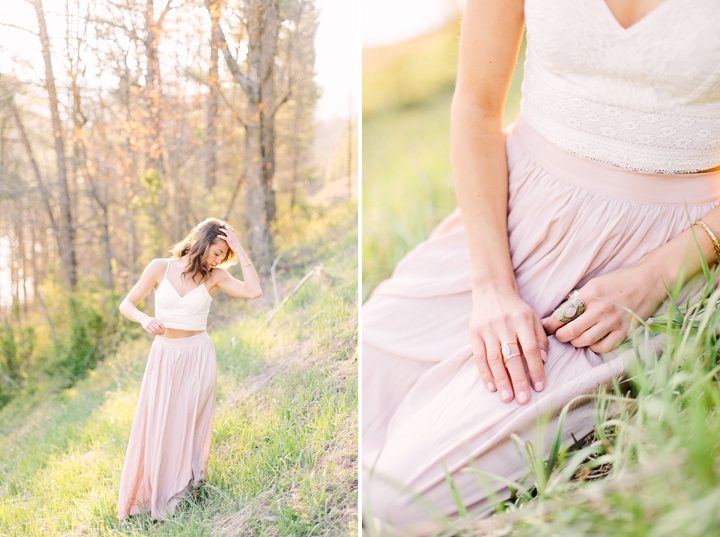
(411, 72)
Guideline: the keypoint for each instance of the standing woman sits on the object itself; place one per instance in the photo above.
(170, 439)
(595, 189)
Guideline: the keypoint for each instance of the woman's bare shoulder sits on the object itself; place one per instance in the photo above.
(155, 270)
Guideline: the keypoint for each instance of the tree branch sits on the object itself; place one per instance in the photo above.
(200, 80)
(33, 163)
(19, 28)
(166, 9)
(232, 64)
(281, 101)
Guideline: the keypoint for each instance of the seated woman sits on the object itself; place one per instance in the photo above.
(594, 189)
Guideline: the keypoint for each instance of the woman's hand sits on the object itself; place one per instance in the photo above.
(153, 326)
(609, 300)
(503, 317)
(231, 239)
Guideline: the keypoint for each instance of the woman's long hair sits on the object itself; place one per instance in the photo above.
(196, 245)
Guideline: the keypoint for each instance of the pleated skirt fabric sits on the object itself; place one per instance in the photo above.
(426, 414)
(169, 445)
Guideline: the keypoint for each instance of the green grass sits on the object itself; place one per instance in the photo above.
(409, 73)
(652, 466)
(284, 454)
(407, 176)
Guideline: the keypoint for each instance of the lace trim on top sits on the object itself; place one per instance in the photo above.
(641, 141)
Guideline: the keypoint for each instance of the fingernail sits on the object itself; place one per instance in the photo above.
(522, 397)
(543, 355)
(491, 386)
(539, 386)
(505, 395)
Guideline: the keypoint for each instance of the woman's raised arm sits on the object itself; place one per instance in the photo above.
(489, 43)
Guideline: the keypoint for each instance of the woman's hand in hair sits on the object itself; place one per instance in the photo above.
(231, 239)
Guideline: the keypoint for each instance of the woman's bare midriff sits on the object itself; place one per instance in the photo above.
(175, 333)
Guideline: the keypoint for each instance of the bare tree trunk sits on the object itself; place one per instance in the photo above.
(258, 84)
(38, 177)
(131, 243)
(295, 152)
(22, 265)
(212, 103)
(80, 155)
(15, 262)
(67, 229)
(37, 281)
(153, 132)
(270, 25)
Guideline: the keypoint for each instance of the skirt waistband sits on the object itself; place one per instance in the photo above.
(171, 341)
(654, 188)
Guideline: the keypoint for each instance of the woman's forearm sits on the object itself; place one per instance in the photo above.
(481, 183)
(680, 257)
(129, 310)
(252, 281)
(250, 275)
(489, 43)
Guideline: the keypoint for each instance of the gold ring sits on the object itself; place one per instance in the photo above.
(507, 350)
(570, 310)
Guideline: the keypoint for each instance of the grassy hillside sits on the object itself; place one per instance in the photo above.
(284, 453)
(407, 177)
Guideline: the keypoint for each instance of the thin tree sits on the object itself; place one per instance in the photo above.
(66, 226)
(258, 82)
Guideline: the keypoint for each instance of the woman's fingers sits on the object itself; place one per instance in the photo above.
(482, 365)
(610, 342)
(155, 328)
(531, 348)
(500, 374)
(519, 379)
(542, 339)
(576, 327)
(592, 335)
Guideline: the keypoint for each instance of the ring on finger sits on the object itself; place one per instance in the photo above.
(509, 350)
(570, 310)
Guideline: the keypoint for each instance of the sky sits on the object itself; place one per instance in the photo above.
(338, 57)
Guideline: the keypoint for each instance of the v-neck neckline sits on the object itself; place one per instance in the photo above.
(638, 23)
(165, 278)
(186, 294)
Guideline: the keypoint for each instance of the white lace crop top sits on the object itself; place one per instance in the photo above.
(644, 98)
(188, 312)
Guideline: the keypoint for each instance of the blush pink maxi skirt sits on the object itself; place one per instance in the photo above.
(425, 409)
(169, 445)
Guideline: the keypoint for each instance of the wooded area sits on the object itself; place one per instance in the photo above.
(150, 117)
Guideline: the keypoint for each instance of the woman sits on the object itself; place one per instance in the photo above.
(170, 439)
(595, 189)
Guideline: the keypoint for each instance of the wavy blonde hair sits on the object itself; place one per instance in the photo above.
(196, 245)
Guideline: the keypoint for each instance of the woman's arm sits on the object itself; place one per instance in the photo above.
(489, 43)
(128, 307)
(250, 287)
(640, 288)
